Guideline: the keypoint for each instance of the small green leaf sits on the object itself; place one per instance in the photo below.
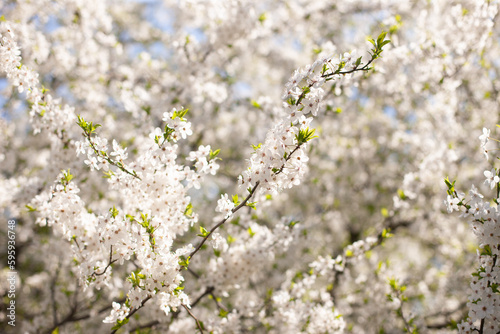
(203, 232)
(305, 135)
(184, 263)
(262, 17)
(358, 61)
(189, 210)
(384, 212)
(120, 323)
(236, 200)
(386, 233)
(255, 104)
(256, 147)
(252, 205)
(213, 154)
(114, 212)
(401, 194)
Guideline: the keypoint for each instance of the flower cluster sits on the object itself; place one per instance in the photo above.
(120, 246)
(281, 162)
(484, 219)
(46, 112)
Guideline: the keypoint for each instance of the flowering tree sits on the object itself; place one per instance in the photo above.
(249, 166)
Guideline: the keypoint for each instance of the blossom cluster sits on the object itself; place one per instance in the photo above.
(46, 112)
(281, 161)
(128, 217)
(484, 219)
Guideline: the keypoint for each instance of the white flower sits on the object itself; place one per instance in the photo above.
(218, 241)
(224, 205)
(119, 152)
(92, 163)
(185, 129)
(474, 194)
(491, 178)
(451, 203)
(80, 147)
(484, 137)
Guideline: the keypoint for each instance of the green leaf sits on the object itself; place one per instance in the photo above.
(255, 104)
(386, 233)
(114, 212)
(256, 147)
(189, 210)
(180, 113)
(236, 200)
(250, 232)
(486, 250)
(223, 313)
(119, 324)
(384, 212)
(203, 232)
(381, 37)
(401, 194)
(213, 154)
(252, 205)
(67, 177)
(358, 61)
(305, 135)
(184, 263)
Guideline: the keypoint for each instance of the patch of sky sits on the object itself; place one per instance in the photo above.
(159, 16)
(134, 49)
(4, 83)
(51, 25)
(196, 34)
(142, 1)
(390, 111)
(65, 93)
(160, 50)
(242, 90)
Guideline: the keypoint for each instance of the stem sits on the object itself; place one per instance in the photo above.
(364, 68)
(242, 204)
(110, 262)
(192, 316)
(135, 310)
(108, 159)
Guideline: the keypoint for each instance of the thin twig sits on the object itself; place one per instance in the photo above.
(134, 310)
(192, 316)
(242, 204)
(110, 262)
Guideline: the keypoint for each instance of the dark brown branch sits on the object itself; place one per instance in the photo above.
(110, 262)
(195, 319)
(242, 204)
(135, 310)
(148, 325)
